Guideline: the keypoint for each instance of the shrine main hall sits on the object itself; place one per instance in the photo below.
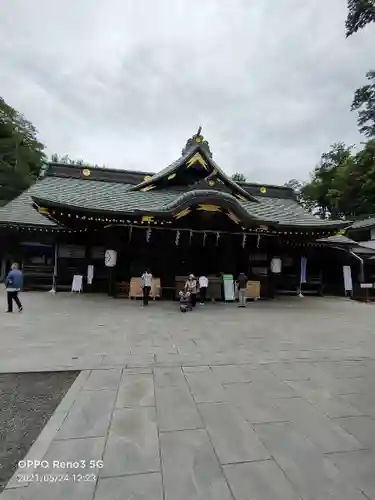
(191, 217)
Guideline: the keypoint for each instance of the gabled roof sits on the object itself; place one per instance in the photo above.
(122, 193)
(196, 152)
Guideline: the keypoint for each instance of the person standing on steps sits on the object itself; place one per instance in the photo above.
(203, 284)
(13, 285)
(242, 288)
(146, 281)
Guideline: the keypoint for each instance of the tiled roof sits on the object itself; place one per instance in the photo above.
(363, 223)
(338, 239)
(117, 197)
(20, 211)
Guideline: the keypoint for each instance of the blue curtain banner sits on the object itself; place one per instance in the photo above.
(303, 270)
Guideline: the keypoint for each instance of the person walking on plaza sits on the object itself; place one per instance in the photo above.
(242, 287)
(191, 287)
(13, 284)
(203, 284)
(146, 281)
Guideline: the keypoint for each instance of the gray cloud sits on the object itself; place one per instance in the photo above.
(125, 83)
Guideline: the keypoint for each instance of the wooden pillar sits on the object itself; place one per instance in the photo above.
(55, 267)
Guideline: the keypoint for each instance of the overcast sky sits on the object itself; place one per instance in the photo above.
(125, 83)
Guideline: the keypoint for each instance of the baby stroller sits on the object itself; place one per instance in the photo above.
(185, 302)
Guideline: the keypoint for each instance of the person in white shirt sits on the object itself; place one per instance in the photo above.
(203, 285)
(146, 281)
(191, 287)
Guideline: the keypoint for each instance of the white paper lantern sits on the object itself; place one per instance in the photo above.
(110, 258)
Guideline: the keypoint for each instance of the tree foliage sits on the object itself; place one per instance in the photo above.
(342, 185)
(55, 158)
(238, 177)
(360, 13)
(21, 153)
(364, 103)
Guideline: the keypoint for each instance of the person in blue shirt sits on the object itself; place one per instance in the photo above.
(13, 284)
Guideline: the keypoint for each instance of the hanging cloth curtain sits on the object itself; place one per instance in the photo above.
(244, 238)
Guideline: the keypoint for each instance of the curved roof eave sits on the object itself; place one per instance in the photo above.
(185, 200)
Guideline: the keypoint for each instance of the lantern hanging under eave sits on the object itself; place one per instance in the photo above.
(110, 258)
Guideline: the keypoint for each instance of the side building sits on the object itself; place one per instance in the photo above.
(189, 218)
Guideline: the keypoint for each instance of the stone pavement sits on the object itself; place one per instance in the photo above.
(275, 402)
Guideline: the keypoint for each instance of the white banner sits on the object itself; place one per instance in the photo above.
(90, 274)
(348, 284)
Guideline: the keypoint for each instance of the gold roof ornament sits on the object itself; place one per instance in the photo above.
(209, 208)
(148, 188)
(184, 212)
(147, 218)
(233, 217)
(147, 178)
(263, 190)
(240, 197)
(197, 158)
(172, 176)
(86, 172)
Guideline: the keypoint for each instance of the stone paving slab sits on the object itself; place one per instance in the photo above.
(259, 481)
(132, 445)
(103, 380)
(362, 428)
(136, 390)
(358, 467)
(89, 415)
(325, 433)
(256, 408)
(332, 405)
(191, 470)
(227, 374)
(176, 409)
(74, 488)
(169, 377)
(137, 487)
(312, 474)
(233, 438)
(205, 387)
(284, 389)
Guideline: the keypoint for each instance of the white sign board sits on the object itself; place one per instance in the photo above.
(367, 285)
(228, 287)
(348, 284)
(110, 258)
(77, 283)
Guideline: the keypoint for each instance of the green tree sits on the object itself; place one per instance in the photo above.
(360, 13)
(325, 193)
(238, 177)
(55, 158)
(364, 103)
(298, 187)
(343, 184)
(21, 153)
